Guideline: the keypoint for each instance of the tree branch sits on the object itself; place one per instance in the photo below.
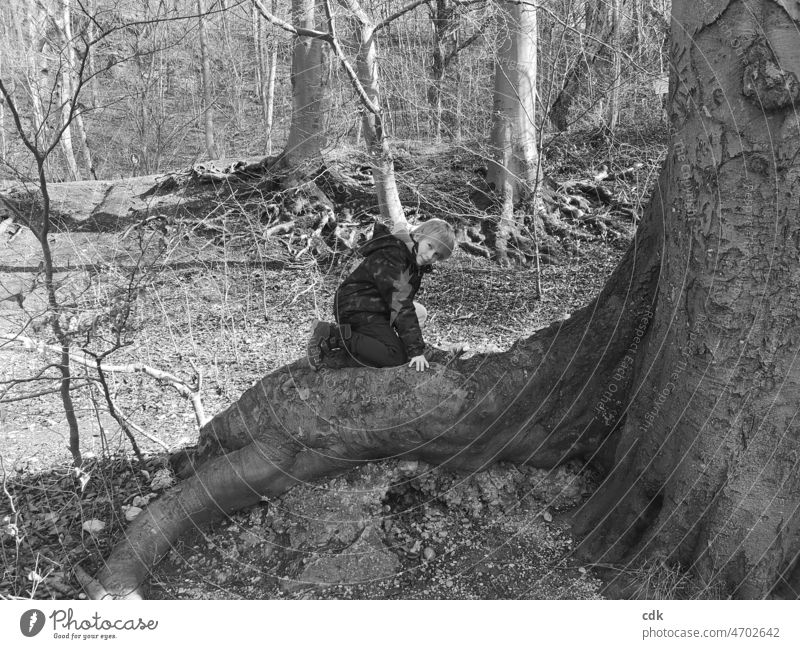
(404, 10)
(359, 88)
(297, 31)
(183, 388)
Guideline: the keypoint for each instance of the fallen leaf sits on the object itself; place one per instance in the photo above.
(93, 526)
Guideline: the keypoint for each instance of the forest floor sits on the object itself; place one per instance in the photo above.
(233, 313)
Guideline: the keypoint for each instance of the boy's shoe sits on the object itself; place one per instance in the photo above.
(318, 344)
(325, 337)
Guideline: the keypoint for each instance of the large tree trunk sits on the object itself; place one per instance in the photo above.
(707, 459)
(678, 380)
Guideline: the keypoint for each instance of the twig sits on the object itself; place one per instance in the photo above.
(5, 487)
(43, 393)
(183, 388)
(281, 228)
(124, 423)
(403, 10)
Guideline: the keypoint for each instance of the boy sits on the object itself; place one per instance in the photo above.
(377, 318)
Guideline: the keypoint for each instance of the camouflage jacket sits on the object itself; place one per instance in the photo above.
(383, 287)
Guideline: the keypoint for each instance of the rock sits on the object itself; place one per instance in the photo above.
(365, 560)
(429, 554)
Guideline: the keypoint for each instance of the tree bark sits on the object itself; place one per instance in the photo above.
(707, 461)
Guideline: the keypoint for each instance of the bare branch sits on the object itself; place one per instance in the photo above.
(183, 388)
(297, 31)
(404, 10)
(371, 106)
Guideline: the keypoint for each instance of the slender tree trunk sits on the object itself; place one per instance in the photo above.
(65, 91)
(3, 141)
(440, 24)
(272, 70)
(612, 114)
(258, 46)
(598, 29)
(208, 95)
(72, 69)
(91, 66)
(309, 89)
(381, 159)
(515, 167)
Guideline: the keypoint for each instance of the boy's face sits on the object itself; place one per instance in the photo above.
(429, 252)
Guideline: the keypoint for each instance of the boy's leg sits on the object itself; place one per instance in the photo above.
(376, 344)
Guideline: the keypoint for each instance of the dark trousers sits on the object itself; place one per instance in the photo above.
(376, 344)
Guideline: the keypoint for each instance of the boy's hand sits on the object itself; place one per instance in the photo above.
(419, 363)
